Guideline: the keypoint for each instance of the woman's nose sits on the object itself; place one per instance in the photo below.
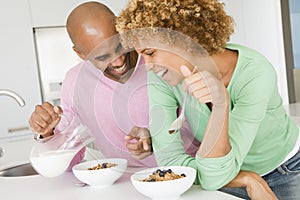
(149, 66)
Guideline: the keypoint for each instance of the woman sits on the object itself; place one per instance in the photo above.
(253, 133)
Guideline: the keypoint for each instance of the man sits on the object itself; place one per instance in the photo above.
(114, 103)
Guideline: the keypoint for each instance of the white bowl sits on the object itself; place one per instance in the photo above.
(100, 178)
(164, 190)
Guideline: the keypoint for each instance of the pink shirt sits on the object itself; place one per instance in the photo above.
(110, 109)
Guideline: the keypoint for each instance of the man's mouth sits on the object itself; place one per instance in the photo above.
(120, 69)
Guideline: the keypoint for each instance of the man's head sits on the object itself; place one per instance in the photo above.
(89, 25)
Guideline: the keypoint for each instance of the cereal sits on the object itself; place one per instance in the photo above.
(102, 166)
(162, 175)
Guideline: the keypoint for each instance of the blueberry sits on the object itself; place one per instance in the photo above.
(161, 174)
(104, 165)
(169, 171)
(158, 171)
(183, 175)
(152, 180)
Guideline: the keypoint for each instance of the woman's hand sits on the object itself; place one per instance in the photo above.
(138, 142)
(207, 88)
(204, 87)
(257, 188)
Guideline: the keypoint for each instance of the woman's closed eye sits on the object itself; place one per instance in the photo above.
(148, 52)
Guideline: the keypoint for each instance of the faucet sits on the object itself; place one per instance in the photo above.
(15, 96)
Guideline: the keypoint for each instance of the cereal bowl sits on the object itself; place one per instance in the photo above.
(151, 182)
(100, 173)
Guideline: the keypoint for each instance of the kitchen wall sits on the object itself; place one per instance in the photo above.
(51, 13)
(294, 6)
(259, 26)
(18, 68)
(295, 29)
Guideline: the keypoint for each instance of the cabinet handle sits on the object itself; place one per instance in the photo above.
(16, 129)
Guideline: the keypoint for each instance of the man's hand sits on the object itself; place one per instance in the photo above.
(44, 118)
(138, 142)
(257, 188)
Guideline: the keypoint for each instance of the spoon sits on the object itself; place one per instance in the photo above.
(178, 123)
(80, 184)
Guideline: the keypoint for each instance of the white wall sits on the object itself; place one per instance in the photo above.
(295, 28)
(49, 13)
(259, 26)
(18, 68)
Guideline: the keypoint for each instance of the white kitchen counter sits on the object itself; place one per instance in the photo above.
(62, 187)
(36, 187)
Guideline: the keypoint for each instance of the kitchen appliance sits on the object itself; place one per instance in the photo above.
(55, 57)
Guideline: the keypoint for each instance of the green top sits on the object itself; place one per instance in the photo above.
(261, 134)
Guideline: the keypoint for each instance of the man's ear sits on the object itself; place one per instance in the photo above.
(81, 55)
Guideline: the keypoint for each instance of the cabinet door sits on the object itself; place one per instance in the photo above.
(18, 68)
(46, 13)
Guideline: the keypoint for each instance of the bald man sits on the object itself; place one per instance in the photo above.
(112, 106)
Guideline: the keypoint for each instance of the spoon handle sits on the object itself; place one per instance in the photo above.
(183, 104)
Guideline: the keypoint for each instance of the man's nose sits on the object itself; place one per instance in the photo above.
(118, 61)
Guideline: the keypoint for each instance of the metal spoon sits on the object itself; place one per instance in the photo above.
(80, 184)
(178, 123)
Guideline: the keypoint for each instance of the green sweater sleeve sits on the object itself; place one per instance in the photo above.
(168, 148)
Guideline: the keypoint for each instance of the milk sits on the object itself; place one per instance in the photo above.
(52, 163)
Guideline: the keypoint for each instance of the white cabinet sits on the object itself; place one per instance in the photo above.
(49, 13)
(18, 68)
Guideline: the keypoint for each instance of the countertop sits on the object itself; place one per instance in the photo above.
(63, 187)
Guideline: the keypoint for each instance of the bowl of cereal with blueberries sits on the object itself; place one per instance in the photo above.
(167, 182)
(100, 173)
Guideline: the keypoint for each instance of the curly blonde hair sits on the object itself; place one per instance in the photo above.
(205, 21)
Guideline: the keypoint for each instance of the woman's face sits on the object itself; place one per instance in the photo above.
(165, 64)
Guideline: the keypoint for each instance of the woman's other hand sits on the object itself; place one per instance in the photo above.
(256, 187)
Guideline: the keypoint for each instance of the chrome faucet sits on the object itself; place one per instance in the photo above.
(15, 96)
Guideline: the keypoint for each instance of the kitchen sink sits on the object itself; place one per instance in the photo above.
(19, 170)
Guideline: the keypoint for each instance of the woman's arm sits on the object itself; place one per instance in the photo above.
(218, 160)
(206, 88)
